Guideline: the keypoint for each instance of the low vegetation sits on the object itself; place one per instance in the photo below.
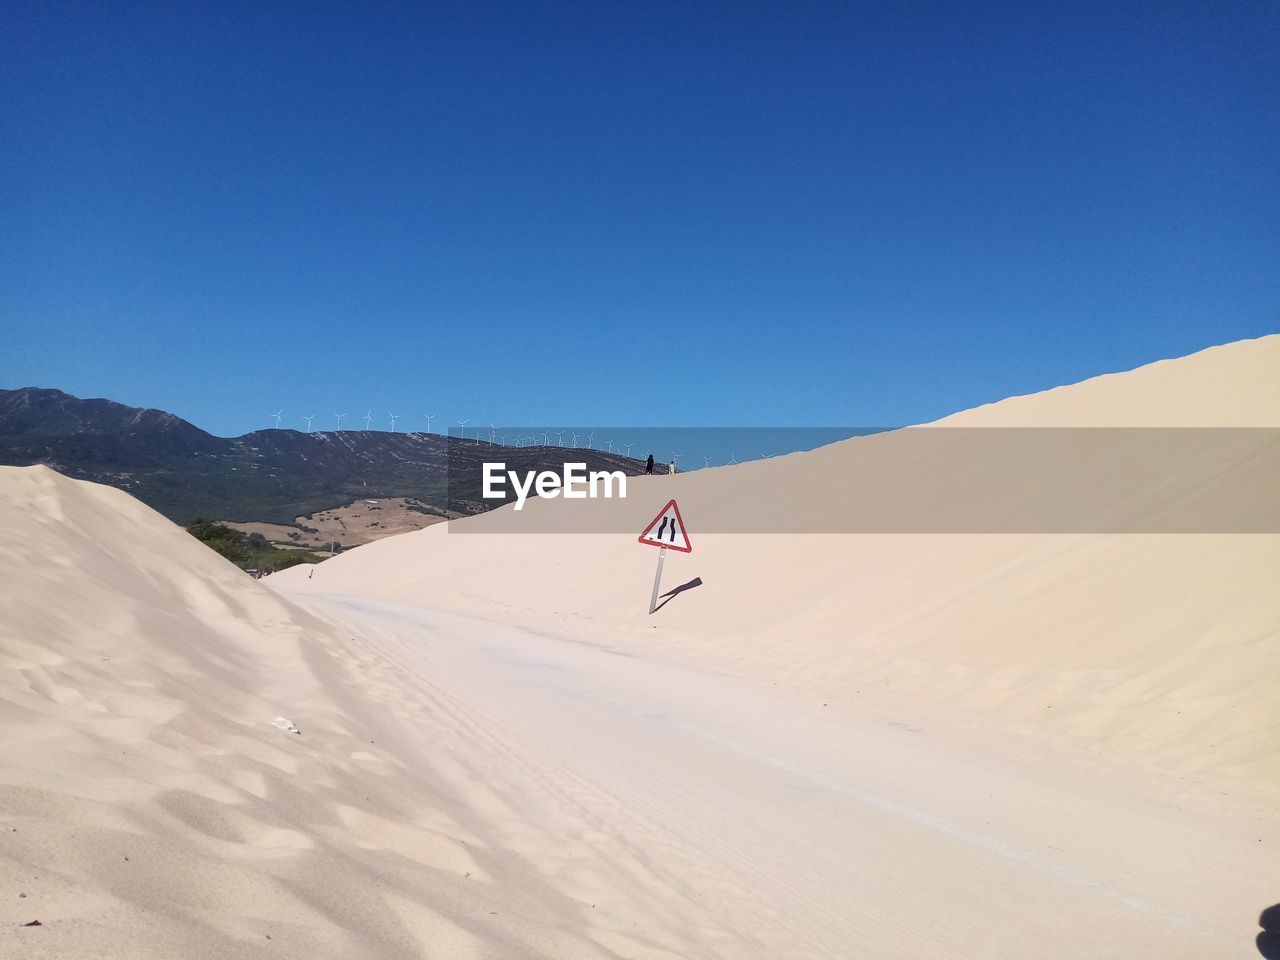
(249, 551)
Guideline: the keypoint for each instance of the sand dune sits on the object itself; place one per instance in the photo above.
(899, 745)
(1232, 385)
(1158, 645)
(148, 807)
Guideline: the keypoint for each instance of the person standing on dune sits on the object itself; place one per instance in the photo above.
(648, 465)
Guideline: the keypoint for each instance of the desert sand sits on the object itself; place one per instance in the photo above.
(894, 745)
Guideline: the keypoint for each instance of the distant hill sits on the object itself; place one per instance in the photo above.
(273, 476)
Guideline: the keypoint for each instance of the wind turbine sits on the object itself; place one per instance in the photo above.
(463, 425)
(276, 415)
(559, 437)
(309, 419)
(591, 438)
(732, 457)
(430, 417)
(394, 417)
(573, 442)
(493, 432)
(368, 419)
(706, 461)
(628, 446)
(339, 416)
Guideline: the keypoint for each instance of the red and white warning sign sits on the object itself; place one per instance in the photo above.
(667, 530)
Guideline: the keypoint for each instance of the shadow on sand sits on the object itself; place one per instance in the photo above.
(676, 591)
(1269, 939)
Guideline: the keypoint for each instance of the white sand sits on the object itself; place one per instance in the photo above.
(1155, 644)
(989, 746)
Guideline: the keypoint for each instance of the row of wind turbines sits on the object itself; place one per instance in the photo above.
(514, 440)
(367, 418)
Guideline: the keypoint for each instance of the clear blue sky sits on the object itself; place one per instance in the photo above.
(681, 213)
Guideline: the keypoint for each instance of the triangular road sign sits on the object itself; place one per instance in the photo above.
(667, 530)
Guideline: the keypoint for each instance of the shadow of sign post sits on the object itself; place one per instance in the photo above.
(672, 594)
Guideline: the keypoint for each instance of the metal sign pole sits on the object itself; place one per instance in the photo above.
(657, 579)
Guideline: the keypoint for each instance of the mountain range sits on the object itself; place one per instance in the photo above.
(269, 475)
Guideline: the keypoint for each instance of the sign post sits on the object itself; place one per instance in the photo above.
(666, 532)
(657, 579)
